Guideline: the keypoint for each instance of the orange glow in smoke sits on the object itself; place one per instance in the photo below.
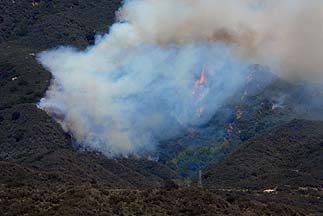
(198, 87)
(199, 82)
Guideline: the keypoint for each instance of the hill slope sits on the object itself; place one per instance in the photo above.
(28, 27)
(290, 155)
(32, 143)
(42, 173)
(35, 146)
(264, 103)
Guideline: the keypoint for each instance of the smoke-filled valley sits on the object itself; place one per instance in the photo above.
(161, 107)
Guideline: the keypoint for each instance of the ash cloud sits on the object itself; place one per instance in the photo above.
(137, 84)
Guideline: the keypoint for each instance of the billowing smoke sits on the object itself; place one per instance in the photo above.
(169, 64)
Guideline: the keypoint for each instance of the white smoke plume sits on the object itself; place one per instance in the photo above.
(144, 80)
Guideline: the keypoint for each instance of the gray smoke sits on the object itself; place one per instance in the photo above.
(144, 80)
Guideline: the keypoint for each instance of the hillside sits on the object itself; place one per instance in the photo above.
(28, 27)
(288, 156)
(257, 140)
(32, 143)
(34, 146)
(264, 103)
(87, 200)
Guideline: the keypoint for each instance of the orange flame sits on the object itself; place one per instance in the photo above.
(201, 81)
(197, 88)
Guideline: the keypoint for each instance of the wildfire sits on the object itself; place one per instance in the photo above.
(197, 90)
(200, 82)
